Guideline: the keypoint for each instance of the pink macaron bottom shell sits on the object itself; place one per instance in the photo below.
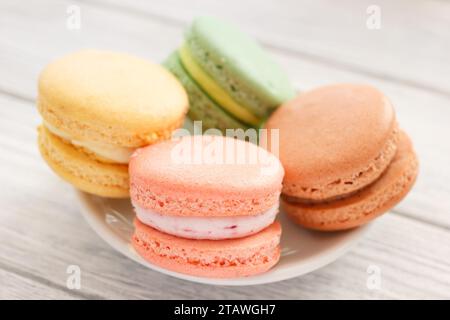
(212, 228)
(231, 258)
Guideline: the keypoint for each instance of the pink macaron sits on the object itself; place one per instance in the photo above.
(212, 193)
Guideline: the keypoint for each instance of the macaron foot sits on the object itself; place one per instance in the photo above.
(364, 205)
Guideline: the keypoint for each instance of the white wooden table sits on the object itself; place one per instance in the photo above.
(318, 42)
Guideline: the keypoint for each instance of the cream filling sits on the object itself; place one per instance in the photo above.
(108, 151)
(218, 94)
(213, 228)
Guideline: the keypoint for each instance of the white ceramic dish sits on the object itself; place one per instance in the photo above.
(303, 251)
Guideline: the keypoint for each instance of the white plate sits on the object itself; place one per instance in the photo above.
(303, 251)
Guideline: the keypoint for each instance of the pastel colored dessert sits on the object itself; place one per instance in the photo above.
(215, 194)
(97, 108)
(346, 160)
(230, 80)
(230, 258)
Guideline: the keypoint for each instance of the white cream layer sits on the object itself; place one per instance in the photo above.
(213, 228)
(107, 151)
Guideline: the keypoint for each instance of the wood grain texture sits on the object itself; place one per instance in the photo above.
(333, 35)
(42, 232)
(17, 287)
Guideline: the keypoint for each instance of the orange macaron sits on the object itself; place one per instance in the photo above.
(346, 161)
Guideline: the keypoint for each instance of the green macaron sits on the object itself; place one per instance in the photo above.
(230, 80)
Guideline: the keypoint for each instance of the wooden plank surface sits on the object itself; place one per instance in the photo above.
(42, 232)
(408, 47)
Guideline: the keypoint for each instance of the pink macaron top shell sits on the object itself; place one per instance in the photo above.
(205, 176)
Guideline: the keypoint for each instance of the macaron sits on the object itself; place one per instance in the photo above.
(97, 108)
(346, 161)
(214, 199)
(231, 81)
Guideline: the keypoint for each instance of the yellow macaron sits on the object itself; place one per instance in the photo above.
(97, 108)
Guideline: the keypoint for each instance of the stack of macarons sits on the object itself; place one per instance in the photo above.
(97, 108)
(230, 80)
(345, 157)
(206, 205)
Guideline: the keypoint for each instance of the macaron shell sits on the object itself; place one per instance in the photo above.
(111, 98)
(368, 203)
(209, 258)
(334, 140)
(201, 106)
(239, 65)
(82, 170)
(182, 177)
